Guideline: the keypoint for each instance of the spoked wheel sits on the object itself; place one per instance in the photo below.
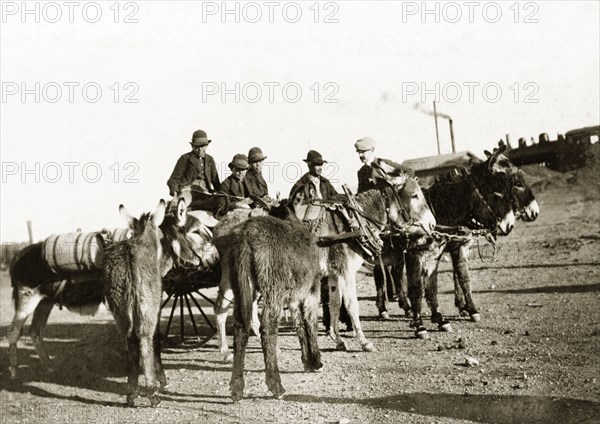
(188, 291)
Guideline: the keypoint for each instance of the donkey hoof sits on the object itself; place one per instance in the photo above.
(13, 372)
(446, 327)
(463, 313)
(368, 347)
(476, 317)
(313, 367)
(154, 400)
(162, 380)
(341, 346)
(131, 398)
(422, 334)
(236, 397)
(278, 394)
(228, 357)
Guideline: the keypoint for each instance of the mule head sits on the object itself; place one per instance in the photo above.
(492, 205)
(524, 203)
(408, 204)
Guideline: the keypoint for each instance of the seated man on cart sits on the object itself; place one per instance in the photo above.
(195, 173)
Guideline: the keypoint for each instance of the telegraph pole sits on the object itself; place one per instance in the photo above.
(437, 132)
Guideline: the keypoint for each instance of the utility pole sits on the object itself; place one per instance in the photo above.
(30, 231)
(437, 132)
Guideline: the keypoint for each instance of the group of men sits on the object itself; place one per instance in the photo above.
(196, 172)
(195, 175)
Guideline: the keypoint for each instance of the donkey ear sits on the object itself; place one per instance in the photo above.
(494, 158)
(181, 213)
(129, 220)
(159, 214)
(176, 248)
(487, 153)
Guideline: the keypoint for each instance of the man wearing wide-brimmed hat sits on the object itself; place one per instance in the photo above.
(254, 179)
(313, 184)
(235, 186)
(196, 170)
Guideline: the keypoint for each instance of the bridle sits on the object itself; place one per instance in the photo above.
(484, 202)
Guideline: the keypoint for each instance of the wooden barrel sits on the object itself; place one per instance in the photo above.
(119, 234)
(74, 252)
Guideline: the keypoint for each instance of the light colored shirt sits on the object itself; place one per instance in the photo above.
(316, 182)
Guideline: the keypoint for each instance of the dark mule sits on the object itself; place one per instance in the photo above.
(524, 206)
(280, 260)
(479, 198)
(37, 288)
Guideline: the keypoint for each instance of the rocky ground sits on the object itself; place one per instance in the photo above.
(537, 347)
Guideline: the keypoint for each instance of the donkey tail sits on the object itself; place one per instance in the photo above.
(245, 282)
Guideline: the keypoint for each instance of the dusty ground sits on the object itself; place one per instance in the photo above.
(538, 347)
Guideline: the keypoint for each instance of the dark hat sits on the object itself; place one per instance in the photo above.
(199, 138)
(255, 155)
(314, 158)
(239, 161)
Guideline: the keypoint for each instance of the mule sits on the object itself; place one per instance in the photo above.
(479, 198)
(397, 202)
(37, 288)
(280, 260)
(525, 207)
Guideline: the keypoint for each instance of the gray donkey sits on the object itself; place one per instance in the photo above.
(279, 259)
(132, 276)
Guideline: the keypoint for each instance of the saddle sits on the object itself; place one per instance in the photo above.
(361, 230)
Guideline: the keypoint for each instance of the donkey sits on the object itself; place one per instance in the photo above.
(481, 199)
(280, 260)
(524, 206)
(37, 288)
(397, 202)
(226, 226)
(132, 277)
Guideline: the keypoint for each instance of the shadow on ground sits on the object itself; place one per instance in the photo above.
(479, 408)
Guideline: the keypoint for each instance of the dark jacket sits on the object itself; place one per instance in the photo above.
(232, 187)
(304, 185)
(367, 174)
(257, 186)
(189, 168)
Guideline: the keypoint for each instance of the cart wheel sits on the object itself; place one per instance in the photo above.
(182, 292)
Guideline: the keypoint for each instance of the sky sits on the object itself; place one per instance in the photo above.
(99, 99)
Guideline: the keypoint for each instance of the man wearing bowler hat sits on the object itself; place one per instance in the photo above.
(313, 184)
(257, 186)
(195, 171)
(234, 186)
(374, 168)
